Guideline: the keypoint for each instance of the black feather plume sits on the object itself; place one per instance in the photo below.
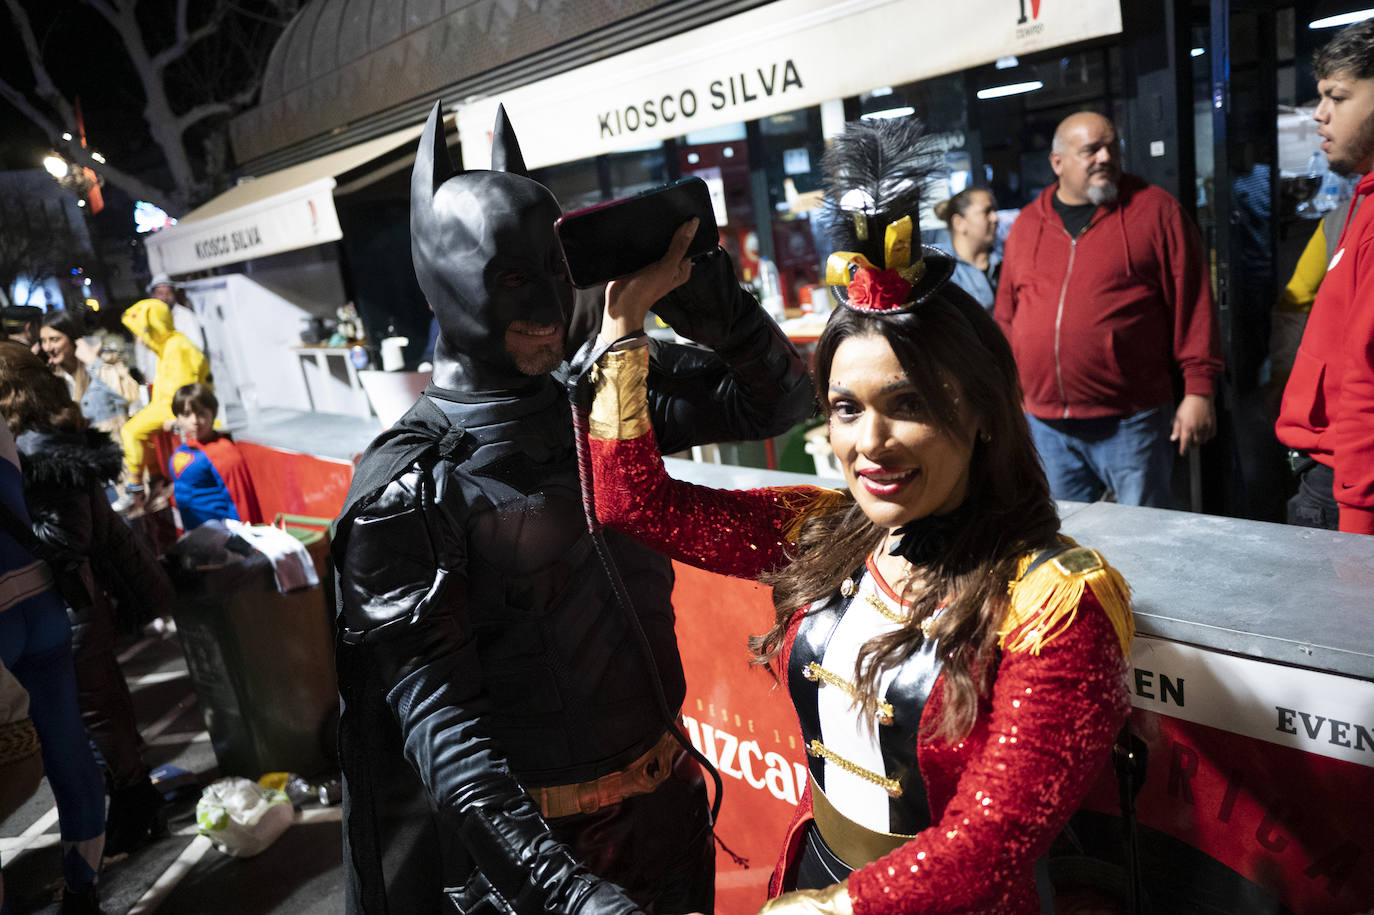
(890, 162)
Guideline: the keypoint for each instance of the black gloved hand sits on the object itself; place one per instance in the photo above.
(709, 307)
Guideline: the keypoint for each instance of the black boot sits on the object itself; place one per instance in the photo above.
(84, 901)
(136, 817)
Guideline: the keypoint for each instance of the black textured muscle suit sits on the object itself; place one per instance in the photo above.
(481, 653)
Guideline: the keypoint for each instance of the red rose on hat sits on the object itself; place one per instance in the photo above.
(878, 290)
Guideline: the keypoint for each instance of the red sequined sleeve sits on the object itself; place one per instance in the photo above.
(733, 532)
(1012, 784)
(741, 533)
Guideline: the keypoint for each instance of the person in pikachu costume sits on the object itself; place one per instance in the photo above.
(179, 363)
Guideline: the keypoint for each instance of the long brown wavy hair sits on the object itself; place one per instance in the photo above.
(1008, 511)
(31, 396)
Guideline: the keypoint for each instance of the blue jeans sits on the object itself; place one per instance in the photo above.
(36, 645)
(1129, 455)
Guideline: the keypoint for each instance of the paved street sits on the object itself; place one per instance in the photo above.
(181, 874)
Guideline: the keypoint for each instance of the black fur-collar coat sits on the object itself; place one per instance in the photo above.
(66, 473)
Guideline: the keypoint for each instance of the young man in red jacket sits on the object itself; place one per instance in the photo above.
(1104, 293)
(1327, 416)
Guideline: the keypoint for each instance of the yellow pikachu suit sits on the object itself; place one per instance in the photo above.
(178, 363)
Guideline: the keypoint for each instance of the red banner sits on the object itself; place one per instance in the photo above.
(296, 484)
(742, 720)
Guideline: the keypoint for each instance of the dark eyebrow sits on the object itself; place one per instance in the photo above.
(904, 384)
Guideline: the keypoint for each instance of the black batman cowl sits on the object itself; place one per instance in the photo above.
(487, 259)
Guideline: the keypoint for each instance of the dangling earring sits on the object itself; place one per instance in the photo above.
(983, 436)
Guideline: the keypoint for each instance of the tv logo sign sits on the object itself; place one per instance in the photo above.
(1035, 11)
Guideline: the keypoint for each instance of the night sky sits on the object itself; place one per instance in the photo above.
(86, 60)
(82, 60)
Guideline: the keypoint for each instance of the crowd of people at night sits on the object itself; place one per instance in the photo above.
(511, 684)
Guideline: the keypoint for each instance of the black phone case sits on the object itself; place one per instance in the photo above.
(622, 236)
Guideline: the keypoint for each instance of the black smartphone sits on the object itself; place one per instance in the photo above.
(622, 236)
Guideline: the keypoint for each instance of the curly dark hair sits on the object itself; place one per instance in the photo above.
(31, 396)
(1009, 511)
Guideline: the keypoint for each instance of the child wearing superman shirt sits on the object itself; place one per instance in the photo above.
(210, 479)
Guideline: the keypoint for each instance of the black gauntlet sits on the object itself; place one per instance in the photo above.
(754, 385)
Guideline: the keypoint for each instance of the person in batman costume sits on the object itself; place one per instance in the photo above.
(502, 746)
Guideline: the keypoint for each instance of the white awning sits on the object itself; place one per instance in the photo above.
(778, 57)
(281, 211)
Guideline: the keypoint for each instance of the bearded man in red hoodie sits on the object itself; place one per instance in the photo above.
(1327, 416)
(1104, 295)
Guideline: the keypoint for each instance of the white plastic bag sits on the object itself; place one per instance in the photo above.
(291, 562)
(241, 817)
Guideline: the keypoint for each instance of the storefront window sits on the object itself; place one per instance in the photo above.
(637, 170)
(586, 182)
(941, 104)
(575, 184)
(765, 172)
(789, 148)
(1016, 130)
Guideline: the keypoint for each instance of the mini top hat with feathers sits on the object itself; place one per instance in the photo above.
(875, 172)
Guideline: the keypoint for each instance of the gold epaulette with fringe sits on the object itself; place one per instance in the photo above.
(1045, 602)
(803, 502)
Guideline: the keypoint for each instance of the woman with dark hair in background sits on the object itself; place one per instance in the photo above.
(66, 469)
(57, 336)
(971, 216)
(957, 665)
(94, 371)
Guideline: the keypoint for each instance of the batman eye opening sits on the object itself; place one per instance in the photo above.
(512, 278)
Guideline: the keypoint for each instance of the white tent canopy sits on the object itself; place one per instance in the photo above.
(281, 211)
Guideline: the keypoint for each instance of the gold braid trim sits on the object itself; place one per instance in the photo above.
(803, 502)
(1044, 604)
(620, 410)
(877, 603)
(814, 671)
(890, 785)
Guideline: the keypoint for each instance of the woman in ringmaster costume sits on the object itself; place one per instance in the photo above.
(957, 665)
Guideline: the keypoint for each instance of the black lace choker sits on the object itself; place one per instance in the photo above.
(921, 541)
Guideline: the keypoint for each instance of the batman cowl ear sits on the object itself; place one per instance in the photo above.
(505, 149)
(432, 164)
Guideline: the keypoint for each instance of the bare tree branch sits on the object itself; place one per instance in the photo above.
(44, 87)
(201, 112)
(186, 40)
(213, 77)
(212, 109)
(286, 11)
(21, 103)
(105, 10)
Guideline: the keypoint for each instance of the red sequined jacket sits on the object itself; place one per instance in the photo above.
(999, 796)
